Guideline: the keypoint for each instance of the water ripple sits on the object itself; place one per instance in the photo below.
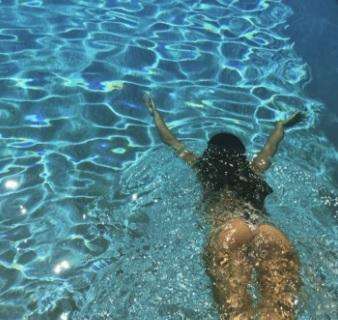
(92, 212)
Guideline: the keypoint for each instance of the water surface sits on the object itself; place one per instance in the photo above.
(96, 220)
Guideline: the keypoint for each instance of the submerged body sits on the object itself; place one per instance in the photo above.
(242, 240)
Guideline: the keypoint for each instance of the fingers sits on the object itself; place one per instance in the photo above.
(298, 116)
(149, 103)
(146, 98)
(294, 119)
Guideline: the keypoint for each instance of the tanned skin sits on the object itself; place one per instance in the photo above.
(235, 249)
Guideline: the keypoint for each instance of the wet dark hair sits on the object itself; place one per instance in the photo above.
(223, 163)
(228, 142)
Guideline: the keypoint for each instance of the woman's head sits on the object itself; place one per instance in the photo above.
(222, 162)
(228, 143)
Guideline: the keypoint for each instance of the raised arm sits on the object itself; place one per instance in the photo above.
(167, 136)
(262, 160)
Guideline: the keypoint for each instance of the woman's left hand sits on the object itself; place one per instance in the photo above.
(293, 120)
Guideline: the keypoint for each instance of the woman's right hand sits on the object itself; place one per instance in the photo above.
(149, 103)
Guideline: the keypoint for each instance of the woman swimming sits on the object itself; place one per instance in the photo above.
(241, 239)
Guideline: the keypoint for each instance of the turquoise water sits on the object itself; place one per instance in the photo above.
(314, 25)
(99, 220)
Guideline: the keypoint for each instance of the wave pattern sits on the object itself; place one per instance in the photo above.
(94, 222)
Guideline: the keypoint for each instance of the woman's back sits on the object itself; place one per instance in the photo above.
(226, 205)
(241, 185)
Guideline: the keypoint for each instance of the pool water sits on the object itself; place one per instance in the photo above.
(314, 25)
(99, 220)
